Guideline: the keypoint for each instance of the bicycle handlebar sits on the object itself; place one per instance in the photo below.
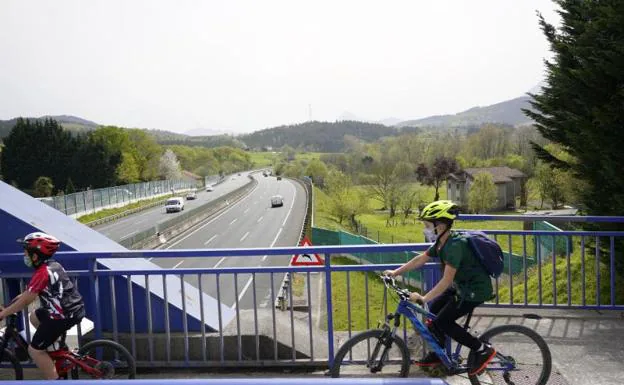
(404, 294)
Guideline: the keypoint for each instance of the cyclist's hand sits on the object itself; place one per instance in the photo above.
(419, 299)
(389, 273)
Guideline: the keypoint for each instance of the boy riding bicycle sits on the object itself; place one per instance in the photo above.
(465, 284)
(61, 304)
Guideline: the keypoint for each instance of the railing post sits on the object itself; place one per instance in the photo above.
(95, 296)
(330, 319)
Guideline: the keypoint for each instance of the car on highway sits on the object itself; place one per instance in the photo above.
(209, 188)
(279, 177)
(191, 195)
(175, 204)
(277, 201)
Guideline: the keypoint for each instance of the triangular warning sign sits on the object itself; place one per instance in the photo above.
(306, 259)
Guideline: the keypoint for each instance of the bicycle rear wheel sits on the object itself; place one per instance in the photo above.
(112, 360)
(520, 347)
(10, 358)
(372, 353)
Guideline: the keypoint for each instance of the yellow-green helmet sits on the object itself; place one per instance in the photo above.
(439, 210)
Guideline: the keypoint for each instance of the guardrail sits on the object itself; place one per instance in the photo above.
(91, 201)
(282, 301)
(334, 301)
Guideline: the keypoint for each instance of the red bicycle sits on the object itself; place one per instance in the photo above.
(99, 359)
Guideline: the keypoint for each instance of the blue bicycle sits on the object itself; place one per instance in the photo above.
(523, 357)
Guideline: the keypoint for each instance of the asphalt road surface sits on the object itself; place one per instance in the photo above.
(250, 222)
(127, 226)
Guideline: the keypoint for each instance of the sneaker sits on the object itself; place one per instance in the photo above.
(431, 359)
(478, 360)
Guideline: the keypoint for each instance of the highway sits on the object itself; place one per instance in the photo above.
(250, 222)
(130, 225)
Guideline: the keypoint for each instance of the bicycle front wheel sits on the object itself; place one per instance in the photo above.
(106, 360)
(373, 352)
(523, 357)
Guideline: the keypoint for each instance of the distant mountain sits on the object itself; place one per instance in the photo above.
(346, 115)
(316, 136)
(508, 112)
(205, 132)
(71, 123)
(390, 121)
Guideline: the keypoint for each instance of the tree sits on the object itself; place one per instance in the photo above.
(43, 187)
(384, 182)
(23, 161)
(69, 186)
(437, 173)
(552, 185)
(345, 202)
(118, 139)
(482, 195)
(317, 171)
(170, 166)
(409, 198)
(580, 107)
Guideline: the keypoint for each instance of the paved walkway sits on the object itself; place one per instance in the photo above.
(586, 348)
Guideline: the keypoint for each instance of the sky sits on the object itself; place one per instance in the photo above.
(243, 66)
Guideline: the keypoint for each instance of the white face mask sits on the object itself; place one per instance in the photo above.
(430, 235)
(28, 261)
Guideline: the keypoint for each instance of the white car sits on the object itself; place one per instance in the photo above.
(191, 195)
(174, 204)
(277, 200)
(209, 188)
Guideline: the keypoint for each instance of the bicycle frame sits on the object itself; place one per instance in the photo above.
(64, 359)
(408, 310)
(449, 358)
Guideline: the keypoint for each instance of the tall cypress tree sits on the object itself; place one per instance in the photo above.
(582, 105)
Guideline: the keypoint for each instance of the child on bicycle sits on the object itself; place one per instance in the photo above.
(465, 284)
(61, 304)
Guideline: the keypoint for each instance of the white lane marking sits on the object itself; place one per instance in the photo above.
(273, 243)
(150, 259)
(275, 240)
(259, 219)
(176, 266)
(291, 206)
(240, 297)
(218, 263)
(251, 278)
(141, 221)
(245, 212)
(209, 222)
(244, 236)
(211, 238)
(231, 223)
(129, 235)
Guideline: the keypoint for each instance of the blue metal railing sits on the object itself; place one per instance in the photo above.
(233, 344)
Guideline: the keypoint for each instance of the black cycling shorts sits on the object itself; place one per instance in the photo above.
(49, 329)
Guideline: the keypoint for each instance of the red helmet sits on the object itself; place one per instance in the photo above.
(41, 243)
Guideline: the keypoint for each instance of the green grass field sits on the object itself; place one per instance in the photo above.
(377, 229)
(110, 212)
(576, 270)
(357, 283)
(267, 159)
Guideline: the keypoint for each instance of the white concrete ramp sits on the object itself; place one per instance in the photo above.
(21, 214)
